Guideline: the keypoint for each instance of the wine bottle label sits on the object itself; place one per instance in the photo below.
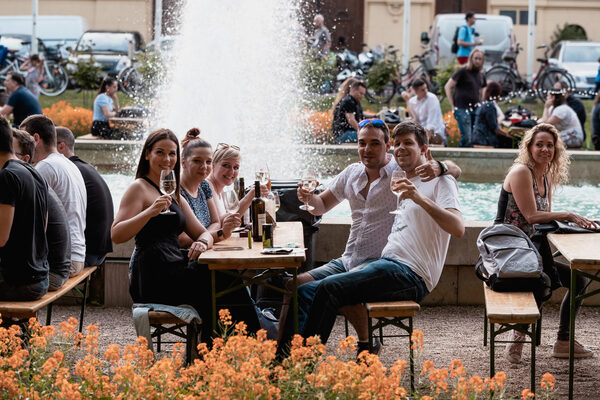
(262, 219)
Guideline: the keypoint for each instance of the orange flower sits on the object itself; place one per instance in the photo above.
(526, 394)
(77, 119)
(417, 340)
(548, 381)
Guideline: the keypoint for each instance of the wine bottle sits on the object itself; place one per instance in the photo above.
(259, 214)
(241, 194)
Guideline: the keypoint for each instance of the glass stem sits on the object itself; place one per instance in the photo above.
(398, 203)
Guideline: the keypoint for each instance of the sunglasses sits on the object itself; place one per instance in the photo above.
(226, 146)
(377, 123)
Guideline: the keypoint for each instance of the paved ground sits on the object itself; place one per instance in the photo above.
(450, 332)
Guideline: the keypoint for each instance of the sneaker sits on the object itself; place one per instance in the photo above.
(561, 350)
(513, 350)
(364, 346)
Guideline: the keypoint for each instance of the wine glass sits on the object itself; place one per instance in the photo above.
(231, 201)
(263, 175)
(397, 176)
(276, 200)
(168, 184)
(309, 183)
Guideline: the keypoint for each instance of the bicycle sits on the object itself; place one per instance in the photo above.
(513, 85)
(381, 89)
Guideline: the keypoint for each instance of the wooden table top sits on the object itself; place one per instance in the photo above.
(582, 250)
(285, 232)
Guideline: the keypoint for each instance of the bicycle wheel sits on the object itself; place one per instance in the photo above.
(549, 77)
(505, 78)
(130, 81)
(55, 79)
(382, 94)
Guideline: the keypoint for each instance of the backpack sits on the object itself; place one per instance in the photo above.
(454, 47)
(510, 262)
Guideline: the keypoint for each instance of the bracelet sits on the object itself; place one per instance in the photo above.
(202, 240)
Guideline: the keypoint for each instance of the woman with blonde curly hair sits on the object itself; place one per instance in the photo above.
(525, 200)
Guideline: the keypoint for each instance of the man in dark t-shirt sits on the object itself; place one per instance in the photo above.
(348, 113)
(99, 212)
(468, 84)
(57, 230)
(23, 212)
(21, 103)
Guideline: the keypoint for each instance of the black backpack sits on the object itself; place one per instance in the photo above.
(454, 47)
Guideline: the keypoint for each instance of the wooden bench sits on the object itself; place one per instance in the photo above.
(511, 310)
(393, 313)
(23, 310)
(164, 322)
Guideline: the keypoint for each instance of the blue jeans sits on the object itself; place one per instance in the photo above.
(464, 118)
(350, 136)
(27, 292)
(382, 280)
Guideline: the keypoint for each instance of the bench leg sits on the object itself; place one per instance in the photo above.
(411, 355)
(485, 327)
(85, 290)
(533, 344)
(370, 327)
(492, 352)
(158, 339)
(346, 329)
(538, 338)
(191, 343)
(49, 314)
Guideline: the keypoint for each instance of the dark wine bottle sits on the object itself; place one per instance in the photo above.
(259, 213)
(241, 194)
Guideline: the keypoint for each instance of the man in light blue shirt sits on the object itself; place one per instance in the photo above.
(466, 40)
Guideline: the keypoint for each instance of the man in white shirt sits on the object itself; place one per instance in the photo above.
(412, 261)
(66, 180)
(366, 186)
(424, 107)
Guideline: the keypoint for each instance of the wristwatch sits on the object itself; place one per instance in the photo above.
(220, 233)
(202, 240)
(443, 167)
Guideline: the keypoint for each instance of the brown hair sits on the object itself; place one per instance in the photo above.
(144, 165)
(413, 127)
(384, 128)
(559, 166)
(26, 142)
(343, 91)
(41, 125)
(191, 141)
(64, 134)
(493, 90)
(470, 65)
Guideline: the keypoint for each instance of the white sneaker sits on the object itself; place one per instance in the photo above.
(513, 350)
(561, 350)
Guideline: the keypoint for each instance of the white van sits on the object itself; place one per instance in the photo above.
(495, 30)
(52, 29)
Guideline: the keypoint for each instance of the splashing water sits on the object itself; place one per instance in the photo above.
(235, 77)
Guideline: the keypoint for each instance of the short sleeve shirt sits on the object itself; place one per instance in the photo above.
(322, 36)
(371, 218)
(347, 105)
(465, 33)
(23, 259)
(569, 123)
(199, 203)
(467, 92)
(24, 104)
(428, 113)
(102, 100)
(57, 234)
(416, 239)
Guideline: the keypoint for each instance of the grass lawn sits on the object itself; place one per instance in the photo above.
(84, 98)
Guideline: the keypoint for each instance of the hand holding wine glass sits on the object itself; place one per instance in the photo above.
(397, 176)
(309, 184)
(168, 185)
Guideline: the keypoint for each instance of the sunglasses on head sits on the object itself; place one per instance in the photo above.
(377, 123)
(226, 146)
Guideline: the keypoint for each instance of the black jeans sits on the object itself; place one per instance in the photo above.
(564, 271)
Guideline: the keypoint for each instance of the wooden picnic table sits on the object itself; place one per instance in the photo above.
(238, 262)
(582, 251)
(128, 125)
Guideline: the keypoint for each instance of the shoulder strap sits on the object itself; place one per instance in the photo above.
(151, 183)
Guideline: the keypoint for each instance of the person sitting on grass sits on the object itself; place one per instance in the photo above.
(23, 214)
(413, 258)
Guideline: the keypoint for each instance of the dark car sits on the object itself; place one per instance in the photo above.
(111, 50)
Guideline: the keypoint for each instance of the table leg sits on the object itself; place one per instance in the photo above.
(295, 299)
(213, 298)
(573, 295)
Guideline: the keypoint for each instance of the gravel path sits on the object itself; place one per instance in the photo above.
(450, 332)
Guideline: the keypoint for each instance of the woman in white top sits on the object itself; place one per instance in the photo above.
(559, 114)
(106, 105)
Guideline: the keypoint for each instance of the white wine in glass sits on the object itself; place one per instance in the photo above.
(397, 176)
(231, 201)
(263, 175)
(309, 183)
(167, 186)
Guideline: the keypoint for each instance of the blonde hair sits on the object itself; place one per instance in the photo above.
(559, 166)
(470, 65)
(343, 91)
(225, 153)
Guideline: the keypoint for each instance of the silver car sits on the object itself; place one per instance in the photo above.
(580, 58)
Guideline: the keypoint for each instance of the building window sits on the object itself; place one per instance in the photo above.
(524, 16)
(510, 13)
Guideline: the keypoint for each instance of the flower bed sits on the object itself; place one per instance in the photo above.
(77, 119)
(67, 365)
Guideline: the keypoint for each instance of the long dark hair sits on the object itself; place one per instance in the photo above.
(192, 141)
(144, 165)
(107, 81)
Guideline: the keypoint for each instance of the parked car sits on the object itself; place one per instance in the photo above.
(495, 30)
(54, 30)
(580, 58)
(111, 50)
